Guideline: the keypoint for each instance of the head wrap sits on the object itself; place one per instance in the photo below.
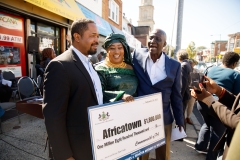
(118, 38)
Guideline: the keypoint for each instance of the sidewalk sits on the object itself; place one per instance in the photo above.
(28, 141)
(185, 150)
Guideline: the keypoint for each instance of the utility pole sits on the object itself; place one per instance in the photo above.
(179, 26)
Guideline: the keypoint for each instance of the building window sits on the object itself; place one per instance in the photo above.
(113, 13)
(49, 36)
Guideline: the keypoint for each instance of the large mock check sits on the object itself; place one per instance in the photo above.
(126, 131)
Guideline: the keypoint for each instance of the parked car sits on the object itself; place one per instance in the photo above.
(208, 64)
(217, 63)
(201, 66)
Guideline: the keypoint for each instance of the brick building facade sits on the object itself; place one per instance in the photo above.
(219, 46)
(113, 19)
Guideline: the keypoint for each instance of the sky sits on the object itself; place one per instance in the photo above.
(204, 21)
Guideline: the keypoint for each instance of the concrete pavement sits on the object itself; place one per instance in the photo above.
(185, 150)
(28, 141)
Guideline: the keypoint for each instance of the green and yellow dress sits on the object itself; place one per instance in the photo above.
(116, 82)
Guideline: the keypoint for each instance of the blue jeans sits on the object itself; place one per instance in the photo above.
(211, 131)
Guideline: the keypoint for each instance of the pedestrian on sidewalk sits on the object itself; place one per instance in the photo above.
(186, 69)
(192, 100)
(70, 86)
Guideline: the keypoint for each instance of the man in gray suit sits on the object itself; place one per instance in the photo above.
(70, 86)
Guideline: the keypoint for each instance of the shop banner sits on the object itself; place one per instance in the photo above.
(64, 8)
(12, 47)
(9, 22)
(126, 131)
(102, 25)
(10, 38)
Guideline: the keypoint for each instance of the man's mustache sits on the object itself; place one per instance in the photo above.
(95, 44)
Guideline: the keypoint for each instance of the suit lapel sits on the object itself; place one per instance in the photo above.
(167, 64)
(142, 62)
(82, 68)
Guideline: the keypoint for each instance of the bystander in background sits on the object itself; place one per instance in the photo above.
(186, 69)
(213, 129)
(192, 100)
(47, 55)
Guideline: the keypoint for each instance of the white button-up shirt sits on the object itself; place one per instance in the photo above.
(156, 71)
(93, 74)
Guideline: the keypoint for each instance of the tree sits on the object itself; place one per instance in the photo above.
(167, 48)
(191, 49)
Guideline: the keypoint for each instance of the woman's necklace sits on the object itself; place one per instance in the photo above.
(109, 64)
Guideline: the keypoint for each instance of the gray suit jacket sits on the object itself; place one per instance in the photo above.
(68, 91)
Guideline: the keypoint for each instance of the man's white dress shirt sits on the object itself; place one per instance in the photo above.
(156, 71)
(93, 74)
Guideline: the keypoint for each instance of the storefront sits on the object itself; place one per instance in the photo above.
(49, 36)
(46, 20)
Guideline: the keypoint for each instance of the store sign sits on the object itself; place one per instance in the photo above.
(10, 38)
(65, 8)
(102, 25)
(10, 22)
(12, 47)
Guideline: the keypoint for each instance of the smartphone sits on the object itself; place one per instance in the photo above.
(196, 78)
(196, 88)
(202, 79)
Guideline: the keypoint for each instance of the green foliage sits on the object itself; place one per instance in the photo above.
(168, 49)
(191, 49)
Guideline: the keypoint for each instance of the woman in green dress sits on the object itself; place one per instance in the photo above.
(116, 73)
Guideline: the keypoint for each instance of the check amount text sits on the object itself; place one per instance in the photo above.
(152, 118)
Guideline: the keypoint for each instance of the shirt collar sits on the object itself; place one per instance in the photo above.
(81, 56)
(161, 59)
